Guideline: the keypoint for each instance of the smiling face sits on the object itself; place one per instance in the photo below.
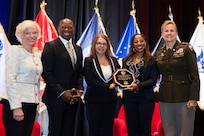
(169, 33)
(29, 37)
(101, 46)
(139, 43)
(66, 28)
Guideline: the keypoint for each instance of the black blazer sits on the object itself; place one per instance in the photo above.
(97, 88)
(58, 72)
(145, 87)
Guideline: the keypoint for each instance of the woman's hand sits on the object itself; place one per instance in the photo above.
(112, 86)
(18, 114)
(37, 114)
(191, 103)
(131, 87)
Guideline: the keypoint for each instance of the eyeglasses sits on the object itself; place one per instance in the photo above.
(100, 43)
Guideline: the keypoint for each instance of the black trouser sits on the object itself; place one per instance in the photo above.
(138, 117)
(62, 119)
(19, 128)
(100, 118)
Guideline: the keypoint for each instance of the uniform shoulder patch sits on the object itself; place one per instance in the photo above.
(189, 45)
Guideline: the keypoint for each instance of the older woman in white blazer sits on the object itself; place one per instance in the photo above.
(23, 70)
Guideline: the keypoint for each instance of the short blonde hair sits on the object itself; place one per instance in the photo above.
(167, 22)
(23, 26)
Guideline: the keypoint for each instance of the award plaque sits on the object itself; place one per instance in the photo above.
(123, 77)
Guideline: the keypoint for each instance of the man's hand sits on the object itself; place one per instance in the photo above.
(67, 96)
(76, 95)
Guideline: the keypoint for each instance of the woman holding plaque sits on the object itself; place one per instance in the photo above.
(100, 97)
(139, 97)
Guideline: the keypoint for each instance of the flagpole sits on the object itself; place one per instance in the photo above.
(199, 12)
(172, 18)
(96, 9)
(133, 13)
(170, 13)
(200, 18)
(131, 28)
(96, 3)
(48, 31)
(42, 6)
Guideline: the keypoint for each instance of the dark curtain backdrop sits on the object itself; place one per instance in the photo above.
(150, 14)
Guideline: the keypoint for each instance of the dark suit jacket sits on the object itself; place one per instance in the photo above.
(145, 87)
(97, 89)
(58, 72)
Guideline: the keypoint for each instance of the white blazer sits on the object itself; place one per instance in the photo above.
(23, 71)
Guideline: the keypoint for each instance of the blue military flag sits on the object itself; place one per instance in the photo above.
(89, 33)
(94, 27)
(123, 46)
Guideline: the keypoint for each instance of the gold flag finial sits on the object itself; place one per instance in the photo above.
(133, 5)
(133, 11)
(170, 13)
(96, 6)
(199, 15)
(96, 3)
(199, 12)
(43, 4)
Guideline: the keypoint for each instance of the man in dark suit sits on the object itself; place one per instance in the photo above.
(62, 72)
